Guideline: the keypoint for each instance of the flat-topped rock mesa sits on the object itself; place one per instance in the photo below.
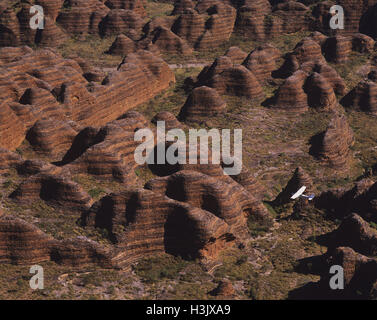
(56, 190)
(202, 104)
(364, 96)
(228, 202)
(262, 62)
(41, 84)
(22, 243)
(299, 179)
(333, 145)
(142, 223)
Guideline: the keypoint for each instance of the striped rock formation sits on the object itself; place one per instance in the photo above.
(142, 223)
(237, 81)
(253, 20)
(219, 26)
(362, 43)
(202, 104)
(363, 97)
(168, 41)
(41, 84)
(300, 178)
(23, 243)
(119, 21)
(236, 55)
(180, 6)
(171, 122)
(329, 73)
(134, 5)
(8, 160)
(356, 233)
(333, 145)
(292, 11)
(107, 153)
(291, 95)
(190, 26)
(51, 138)
(336, 49)
(228, 202)
(82, 17)
(56, 190)
(320, 94)
(122, 45)
(261, 62)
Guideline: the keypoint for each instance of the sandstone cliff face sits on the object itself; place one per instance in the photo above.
(333, 145)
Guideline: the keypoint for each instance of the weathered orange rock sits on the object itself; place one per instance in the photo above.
(167, 41)
(333, 145)
(363, 97)
(202, 104)
(290, 95)
(226, 201)
(120, 21)
(261, 62)
(122, 45)
(133, 5)
(144, 223)
(236, 55)
(51, 137)
(56, 190)
(237, 81)
(169, 119)
(22, 242)
(362, 43)
(336, 49)
(319, 92)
